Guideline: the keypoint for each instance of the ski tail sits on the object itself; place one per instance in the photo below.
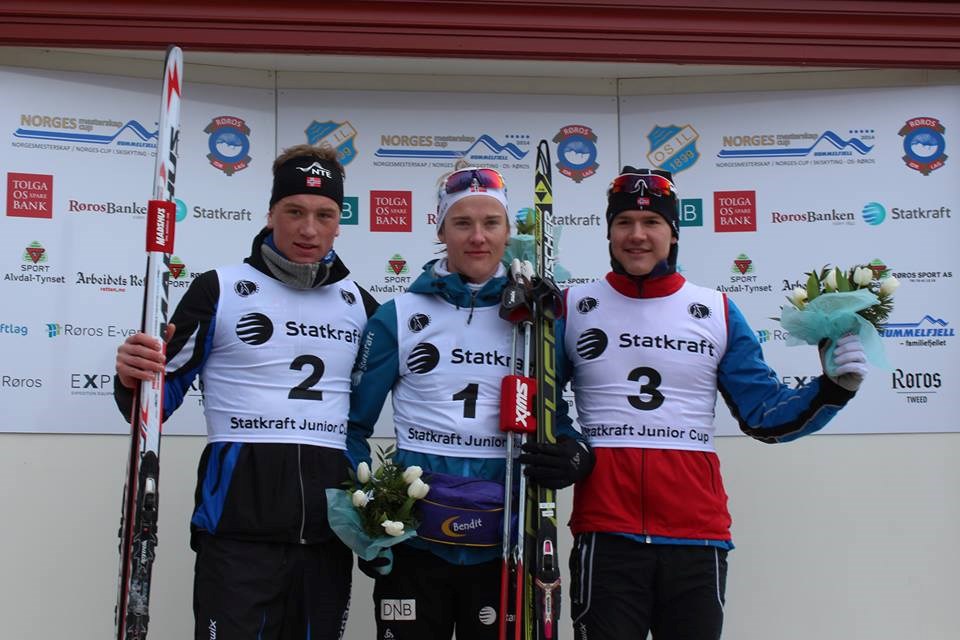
(138, 524)
(542, 592)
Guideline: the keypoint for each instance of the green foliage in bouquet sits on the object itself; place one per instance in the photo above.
(385, 498)
(829, 280)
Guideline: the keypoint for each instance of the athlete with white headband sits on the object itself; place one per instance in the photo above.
(442, 349)
(648, 352)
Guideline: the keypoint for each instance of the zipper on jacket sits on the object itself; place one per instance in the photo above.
(643, 497)
(473, 305)
(303, 497)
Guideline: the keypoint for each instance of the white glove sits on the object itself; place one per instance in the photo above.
(850, 361)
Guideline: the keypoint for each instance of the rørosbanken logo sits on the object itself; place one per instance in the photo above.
(254, 328)
(423, 358)
(591, 344)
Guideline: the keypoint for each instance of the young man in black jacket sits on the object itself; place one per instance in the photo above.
(273, 340)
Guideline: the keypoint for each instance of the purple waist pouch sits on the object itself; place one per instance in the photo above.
(461, 511)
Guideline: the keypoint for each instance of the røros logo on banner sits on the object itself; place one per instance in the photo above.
(928, 331)
(106, 207)
(734, 211)
(924, 146)
(19, 382)
(673, 147)
(875, 213)
(334, 135)
(796, 149)
(809, 216)
(73, 330)
(576, 152)
(391, 211)
(29, 195)
(33, 268)
(40, 131)
(12, 329)
(916, 386)
(229, 144)
(91, 384)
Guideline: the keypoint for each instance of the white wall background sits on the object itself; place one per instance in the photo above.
(838, 536)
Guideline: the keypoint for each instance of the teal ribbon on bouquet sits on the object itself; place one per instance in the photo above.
(345, 521)
(832, 316)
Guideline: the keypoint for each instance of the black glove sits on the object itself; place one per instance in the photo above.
(559, 465)
(369, 567)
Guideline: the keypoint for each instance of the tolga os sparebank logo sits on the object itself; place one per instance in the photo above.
(29, 195)
(734, 211)
(391, 211)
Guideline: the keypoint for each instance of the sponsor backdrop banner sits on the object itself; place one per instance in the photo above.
(773, 185)
(778, 184)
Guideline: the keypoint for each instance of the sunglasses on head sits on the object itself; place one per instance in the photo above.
(473, 178)
(643, 184)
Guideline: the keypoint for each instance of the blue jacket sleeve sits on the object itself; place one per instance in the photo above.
(374, 373)
(564, 368)
(764, 407)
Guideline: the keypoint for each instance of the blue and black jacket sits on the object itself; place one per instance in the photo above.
(262, 492)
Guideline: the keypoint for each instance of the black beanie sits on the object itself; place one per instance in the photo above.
(667, 206)
(307, 174)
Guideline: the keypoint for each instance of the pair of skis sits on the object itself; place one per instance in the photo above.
(530, 571)
(138, 524)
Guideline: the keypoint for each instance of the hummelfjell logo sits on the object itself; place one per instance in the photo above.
(874, 213)
(673, 147)
(586, 305)
(348, 297)
(576, 152)
(229, 144)
(254, 328)
(244, 288)
(35, 253)
(923, 144)
(418, 322)
(699, 311)
(336, 135)
(423, 358)
(591, 344)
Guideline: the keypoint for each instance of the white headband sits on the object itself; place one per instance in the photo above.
(447, 200)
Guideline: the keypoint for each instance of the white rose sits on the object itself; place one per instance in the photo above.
(862, 276)
(360, 499)
(411, 473)
(830, 282)
(418, 489)
(798, 296)
(392, 528)
(889, 285)
(363, 473)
